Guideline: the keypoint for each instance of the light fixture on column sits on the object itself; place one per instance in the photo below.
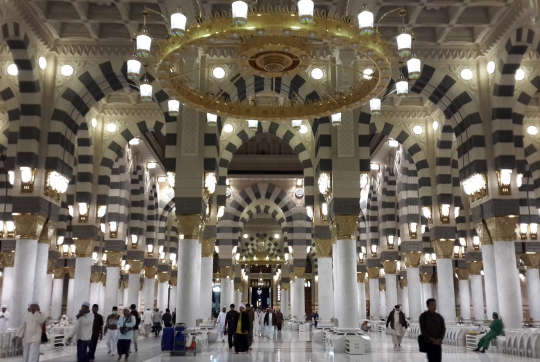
(375, 106)
(104, 259)
(65, 250)
(456, 251)
(134, 241)
(324, 211)
(83, 211)
(172, 257)
(95, 257)
(445, 213)
(504, 178)
(102, 227)
(413, 227)
(476, 242)
(456, 212)
(11, 177)
(336, 119)
(533, 228)
(220, 212)
(59, 240)
(27, 179)
(309, 211)
(171, 177)
(70, 210)
(73, 250)
(101, 210)
(463, 243)
(393, 143)
(361, 257)
(239, 13)
(364, 180)
(211, 119)
(150, 250)
(325, 184)
(426, 212)
(56, 184)
(10, 229)
(475, 186)
(210, 183)
(373, 250)
(522, 230)
(162, 257)
(113, 229)
(519, 179)
(423, 228)
(373, 166)
(174, 107)
(390, 241)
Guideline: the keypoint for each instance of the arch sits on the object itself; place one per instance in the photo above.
(286, 133)
(264, 207)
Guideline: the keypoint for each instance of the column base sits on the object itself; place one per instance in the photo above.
(336, 342)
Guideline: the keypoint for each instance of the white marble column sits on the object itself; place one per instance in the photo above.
(335, 277)
(285, 310)
(188, 281)
(383, 307)
(40, 285)
(48, 294)
(111, 288)
(197, 265)
(81, 288)
(361, 299)
(237, 298)
(405, 300)
(226, 290)
(533, 289)
(414, 293)
(94, 293)
(299, 299)
(374, 295)
(163, 296)
(477, 297)
(57, 292)
(464, 294)
(134, 281)
(292, 296)
(391, 291)
(24, 273)
(446, 299)
(71, 311)
(7, 286)
(172, 298)
(490, 279)
(326, 290)
(508, 285)
(149, 290)
(427, 292)
(207, 265)
(101, 301)
(348, 297)
(125, 300)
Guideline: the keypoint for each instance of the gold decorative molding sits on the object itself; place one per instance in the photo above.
(323, 248)
(390, 266)
(502, 228)
(114, 258)
(382, 287)
(163, 277)
(285, 286)
(463, 274)
(135, 266)
(8, 259)
(47, 233)
(444, 249)
(482, 233)
(426, 278)
(191, 225)
(28, 226)
(412, 259)
(95, 277)
(84, 247)
(70, 271)
(346, 226)
(237, 286)
(173, 281)
(360, 277)
(532, 260)
(207, 248)
(475, 267)
(373, 272)
(103, 279)
(300, 271)
(125, 284)
(225, 271)
(150, 272)
(59, 273)
(50, 266)
(404, 283)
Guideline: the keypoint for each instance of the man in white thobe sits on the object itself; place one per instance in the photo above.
(221, 323)
(30, 333)
(147, 321)
(83, 332)
(4, 319)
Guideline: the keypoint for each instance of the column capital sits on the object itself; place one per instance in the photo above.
(70, 271)
(373, 272)
(323, 248)
(463, 274)
(285, 286)
(163, 277)
(135, 266)
(502, 228)
(412, 259)
(125, 283)
(300, 271)
(531, 260)
(475, 267)
(150, 272)
(207, 247)
(173, 281)
(404, 283)
(361, 277)
(59, 273)
(444, 248)
(237, 286)
(346, 226)
(225, 271)
(483, 234)
(47, 232)
(390, 266)
(84, 247)
(50, 266)
(95, 277)
(426, 278)
(191, 225)
(8, 259)
(382, 287)
(28, 225)
(114, 258)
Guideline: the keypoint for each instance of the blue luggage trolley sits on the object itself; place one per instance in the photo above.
(176, 340)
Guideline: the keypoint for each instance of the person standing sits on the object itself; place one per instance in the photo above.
(241, 342)
(4, 319)
(220, 321)
(156, 320)
(398, 324)
(97, 332)
(167, 318)
(174, 317)
(30, 333)
(279, 320)
(125, 326)
(111, 330)
(83, 332)
(231, 320)
(147, 322)
(495, 329)
(315, 319)
(432, 328)
(270, 323)
(261, 323)
(251, 316)
(137, 316)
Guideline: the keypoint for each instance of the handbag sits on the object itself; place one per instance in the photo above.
(422, 345)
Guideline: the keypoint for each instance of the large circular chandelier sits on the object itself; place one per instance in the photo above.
(277, 45)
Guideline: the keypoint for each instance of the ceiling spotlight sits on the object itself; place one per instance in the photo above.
(94, 122)
(162, 178)
(317, 73)
(228, 128)
(417, 129)
(520, 74)
(66, 70)
(374, 166)
(151, 165)
(466, 74)
(532, 130)
(134, 141)
(245, 236)
(491, 67)
(393, 143)
(111, 127)
(367, 73)
(42, 62)
(276, 236)
(303, 129)
(12, 69)
(218, 73)
(435, 125)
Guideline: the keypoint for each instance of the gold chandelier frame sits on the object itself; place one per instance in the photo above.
(280, 24)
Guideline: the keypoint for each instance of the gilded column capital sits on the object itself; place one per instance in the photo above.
(463, 274)
(47, 232)
(502, 228)
(346, 226)
(444, 248)
(84, 247)
(114, 258)
(426, 278)
(50, 266)
(291, 276)
(531, 260)
(373, 272)
(150, 272)
(191, 225)
(58, 273)
(382, 287)
(173, 281)
(125, 284)
(323, 248)
(300, 271)
(135, 266)
(70, 271)
(285, 286)
(8, 259)
(390, 266)
(225, 271)
(475, 267)
(103, 279)
(412, 259)
(163, 277)
(237, 286)
(95, 277)
(360, 277)
(483, 234)
(28, 225)
(207, 248)
(403, 282)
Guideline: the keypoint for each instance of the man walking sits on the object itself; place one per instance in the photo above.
(251, 317)
(83, 332)
(495, 329)
(30, 333)
(231, 321)
(221, 322)
(167, 318)
(432, 328)
(279, 320)
(147, 322)
(111, 330)
(137, 316)
(398, 324)
(4, 319)
(97, 332)
(270, 323)
(156, 319)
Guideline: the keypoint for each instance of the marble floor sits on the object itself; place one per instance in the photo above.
(290, 346)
